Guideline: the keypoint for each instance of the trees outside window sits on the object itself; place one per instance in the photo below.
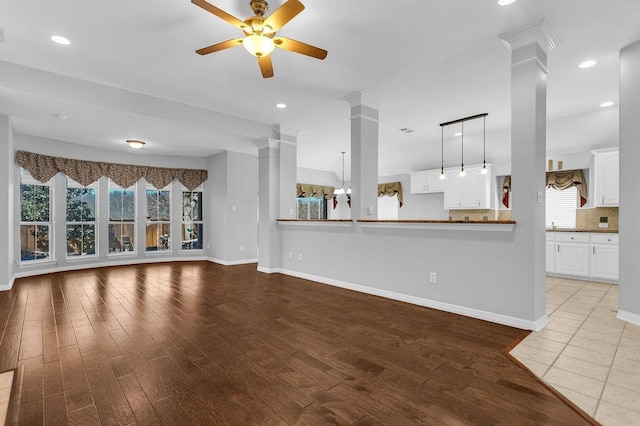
(35, 218)
(122, 217)
(158, 235)
(81, 219)
(192, 226)
(312, 208)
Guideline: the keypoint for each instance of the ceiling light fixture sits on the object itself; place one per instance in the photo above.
(505, 2)
(462, 120)
(587, 64)
(606, 104)
(60, 40)
(281, 106)
(484, 170)
(135, 144)
(442, 175)
(342, 190)
(258, 45)
(457, 134)
(406, 130)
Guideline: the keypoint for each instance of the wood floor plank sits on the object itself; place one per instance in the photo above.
(199, 343)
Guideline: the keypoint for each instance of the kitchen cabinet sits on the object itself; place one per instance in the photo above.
(582, 254)
(426, 182)
(472, 191)
(604, 256)
(606, 177)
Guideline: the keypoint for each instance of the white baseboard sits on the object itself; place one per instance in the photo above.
(232, 262)
(271, 270)
(447, 307)
(7, 287)
(578, 278)
(629, 317)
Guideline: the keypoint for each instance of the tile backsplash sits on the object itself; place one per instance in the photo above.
(474, 215)
(589, 219)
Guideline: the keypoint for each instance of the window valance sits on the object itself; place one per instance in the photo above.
(317, 191)
(44, 167)
(560, 180)
(566, 179)
(390, 189)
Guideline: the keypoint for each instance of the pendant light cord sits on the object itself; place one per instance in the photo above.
(462, 139)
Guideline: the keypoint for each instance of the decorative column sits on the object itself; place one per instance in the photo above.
(629, 297)
(529, 48)
(288, 171)
(7, 194)
(269, 204)
(364, 155)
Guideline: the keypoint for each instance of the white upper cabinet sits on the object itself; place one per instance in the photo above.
(606, 187)
(426, 181)
(472, 191)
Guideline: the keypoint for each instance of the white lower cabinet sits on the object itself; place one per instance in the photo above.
(582, 254)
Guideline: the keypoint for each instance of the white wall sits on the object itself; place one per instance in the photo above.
(7, 188)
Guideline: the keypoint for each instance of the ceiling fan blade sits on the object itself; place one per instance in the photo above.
(220, 46)
(220, 13)
(299, 47)
(266, 66)
(284, 14)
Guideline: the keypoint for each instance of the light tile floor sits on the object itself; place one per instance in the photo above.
(6, 380)
(586, 353)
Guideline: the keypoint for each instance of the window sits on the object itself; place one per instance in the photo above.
(122, 214)
(312, 208)
(158, 219)
(561, 206)
(35, 218)
(81, 219)
(192, 232)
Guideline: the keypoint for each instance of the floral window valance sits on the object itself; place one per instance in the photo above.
(317, 191)
(390, 189)
(559, 180)
(44, 167)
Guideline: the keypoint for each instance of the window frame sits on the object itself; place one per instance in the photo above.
(184, 222)
(111, 185)
(562, 201)
(149, 221)
(323, 210)
(25, 175)
(95, 187)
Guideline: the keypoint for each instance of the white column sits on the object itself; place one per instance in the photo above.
(7, 189)
(629, 297)
(529, 48)
(269, 205)
(288, 171)
(364, 155)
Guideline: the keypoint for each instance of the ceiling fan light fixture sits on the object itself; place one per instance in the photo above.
(135, 144)
(258, 45)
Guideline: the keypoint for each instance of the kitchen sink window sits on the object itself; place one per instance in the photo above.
(561, 206)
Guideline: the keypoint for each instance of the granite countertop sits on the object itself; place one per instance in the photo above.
(506, 222)
(595, 231)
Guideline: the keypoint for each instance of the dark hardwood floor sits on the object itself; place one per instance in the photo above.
(198, 343)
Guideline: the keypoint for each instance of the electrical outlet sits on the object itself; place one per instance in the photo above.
(290, 255)
(233, 208)
(433, 277)
(300, 257)
(208, 247)
(241, 247)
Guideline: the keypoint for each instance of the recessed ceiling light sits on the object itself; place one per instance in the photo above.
(606, 104)
(505, 2)
(135, 144)
(281, 106)
(60, 40)
(587, 64)
(457, 134)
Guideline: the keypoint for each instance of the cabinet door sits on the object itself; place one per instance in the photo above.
(453, 191)
(418, 182)
(607, 171)
(572, 259)
(475, 190)
(604, 261)
(551, 256)
(434, 183)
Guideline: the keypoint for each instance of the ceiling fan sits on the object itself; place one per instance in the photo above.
(260, 32)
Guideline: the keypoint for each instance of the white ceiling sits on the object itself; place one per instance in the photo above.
(131, 72)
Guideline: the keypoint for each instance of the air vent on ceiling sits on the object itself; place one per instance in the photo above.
(406, 130)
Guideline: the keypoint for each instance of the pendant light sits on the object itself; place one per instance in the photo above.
(462, 172)
(484, 170)
(442, 175)
(341, 190)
